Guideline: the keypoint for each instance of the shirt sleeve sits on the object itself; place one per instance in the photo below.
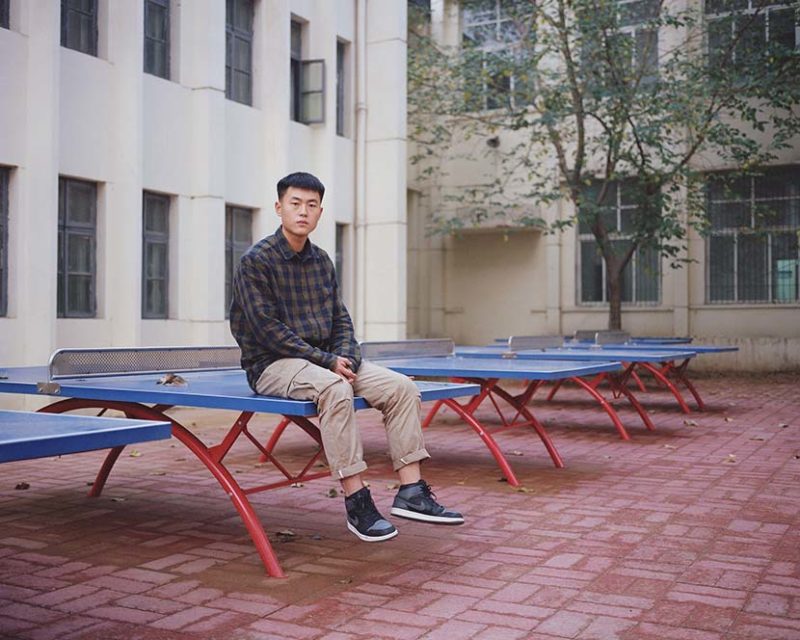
(255, 295)
(343, 338)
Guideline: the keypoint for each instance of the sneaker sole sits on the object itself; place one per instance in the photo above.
(424, 517)
(361, 536)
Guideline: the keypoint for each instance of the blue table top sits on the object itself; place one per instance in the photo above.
(221, 389)
(585, 355)
(697, 349)
(496, 367)
(25, 435)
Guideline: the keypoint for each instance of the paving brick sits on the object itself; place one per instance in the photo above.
(455, 630)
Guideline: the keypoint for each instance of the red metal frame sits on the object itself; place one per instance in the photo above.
(212, 457)
(489, 388)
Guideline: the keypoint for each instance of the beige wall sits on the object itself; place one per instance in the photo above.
(528, 283)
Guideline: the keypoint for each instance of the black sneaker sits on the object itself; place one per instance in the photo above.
(417, 502)
(364, 520)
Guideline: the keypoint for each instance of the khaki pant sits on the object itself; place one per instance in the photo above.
(393, 394)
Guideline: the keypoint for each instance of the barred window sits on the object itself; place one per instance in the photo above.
(238, 239)
(4, 173)
(751, 32)
(156, 38)
(641, 278)
(752, 246)
(77, 239)
(239, 51)
(155, 255)
(79, 25)
(495, 73)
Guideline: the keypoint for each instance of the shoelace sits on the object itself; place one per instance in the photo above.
(366, 510)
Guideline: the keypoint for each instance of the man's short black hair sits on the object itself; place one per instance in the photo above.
(301, 180)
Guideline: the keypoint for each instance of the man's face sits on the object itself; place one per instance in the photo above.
(299, 210)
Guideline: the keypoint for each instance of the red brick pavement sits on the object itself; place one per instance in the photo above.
(688, 533)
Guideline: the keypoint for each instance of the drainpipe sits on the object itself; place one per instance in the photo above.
(361, 169)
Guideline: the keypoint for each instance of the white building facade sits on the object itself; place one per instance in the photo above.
(140, 144)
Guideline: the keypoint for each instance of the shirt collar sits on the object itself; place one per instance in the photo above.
(309, 250)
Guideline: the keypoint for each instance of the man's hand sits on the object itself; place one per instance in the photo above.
(343, 367)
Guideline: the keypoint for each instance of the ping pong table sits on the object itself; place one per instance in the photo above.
(550, 348)
(144, 383)
(437, 358)
(25, 435)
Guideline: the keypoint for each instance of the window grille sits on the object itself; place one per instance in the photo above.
(4, 14)
(156, 38)
(79, 25)
(640, 281)
(4, 175)
(752, 245)
(77, 233)
(239, 51)
(238, 239)
(341, 88)
(155, 255)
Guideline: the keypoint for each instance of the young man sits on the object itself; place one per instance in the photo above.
(297, 341)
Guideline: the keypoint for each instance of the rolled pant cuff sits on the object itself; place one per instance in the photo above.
(353, 469)
(417, 456)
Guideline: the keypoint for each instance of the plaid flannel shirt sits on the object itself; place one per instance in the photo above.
(288, 305)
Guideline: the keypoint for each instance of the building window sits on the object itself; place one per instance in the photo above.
(155, 255)
(753, 240)
(239, 51)
(4, 173)
(79, 25)
(156, 38)
(4, 14)
(641, 278)
(77, 232)
(637, 39)
(495, 68)
(341, 88)
(307, 92)
(750, 32)
(238, 238)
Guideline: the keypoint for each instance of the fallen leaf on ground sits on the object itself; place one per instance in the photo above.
(117, 499)
(730, 459)
(288, 533)
(670, 446)
(21, 486)
(135, 454)
(297, 485)
(759, 438)
(158, 473)
(516, 453)
(728, 419)
(525, 490)
(171, 379)
(690, 423)
(782, 425)
(392, 487)
(345, 581)
(332, 493)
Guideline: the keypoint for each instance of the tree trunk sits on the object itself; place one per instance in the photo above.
(614, 296)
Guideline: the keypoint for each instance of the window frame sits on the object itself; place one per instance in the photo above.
(151, 239)
(90, 15)
(739, 236)
(234, 249)
(5, 179)
(233, 34)
(342, 56)
(632, 269)
(713, 15)
(164, 72)
(492, 94)
(5, 14)
(67, 228)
